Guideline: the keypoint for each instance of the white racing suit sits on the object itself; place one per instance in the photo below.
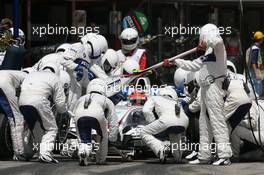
(137, 54)
(83, 64)
(75, 56)
(243, 130)
(50, 58)
(57, 58)
(9, 84)
(168, 122)
(237, 101)
(99, 114)
(212, 68)
(37, 91)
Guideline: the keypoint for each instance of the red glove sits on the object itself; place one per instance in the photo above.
(201, 46)
(166, 63)
(258, 77)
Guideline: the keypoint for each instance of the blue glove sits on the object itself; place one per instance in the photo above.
(118, 97)
(180, 90)
(91, 75)
(79, 72)
(184, 103)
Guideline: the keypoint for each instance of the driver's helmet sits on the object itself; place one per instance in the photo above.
(137, 98)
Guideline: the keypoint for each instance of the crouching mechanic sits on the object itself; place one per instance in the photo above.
(37, 91)
(250, 129)
(238, 99)
(169, 121)
(95, 111)
(9, 92)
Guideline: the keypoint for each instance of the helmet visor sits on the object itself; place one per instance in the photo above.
(129, 42)
(107, 67)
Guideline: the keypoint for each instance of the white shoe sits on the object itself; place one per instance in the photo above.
(224, 162)
(21, 157)
(83, 160)
(47, 158)
(199, 162)
(163, 154)
(192, 156)
(84, 154)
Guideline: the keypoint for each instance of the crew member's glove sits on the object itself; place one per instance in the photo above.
(180, 90)
(201, 46)
(91, 75)
(185, 101)
(166, 63)
(136, 71)
(79, 72)
(257, 76)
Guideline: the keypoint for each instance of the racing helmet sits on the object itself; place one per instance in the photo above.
(209, 35)
(137, 98)
(98, 86)
(28, 70)
(129, 39)
(231, 66)
(103, 43)
(182, 77)
(52, 67)
(109, 60)
(168, 91)
(90, 42)
(129, 66)
(63, 47)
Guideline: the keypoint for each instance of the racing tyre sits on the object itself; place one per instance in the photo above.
(6, 149)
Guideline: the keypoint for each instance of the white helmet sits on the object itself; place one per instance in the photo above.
(109, 60)
(51, 67)
(168, 91)
(182, 77)
(129, 66)
(97, 85)
(87, 37)
(129, 39)
(90, 42)
(28, 70)
(209, 35)
(231, 66)
(63, 47)
(65, 80)
(103, 43)
(71, 53)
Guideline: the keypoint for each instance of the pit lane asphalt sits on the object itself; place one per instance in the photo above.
(137, 167)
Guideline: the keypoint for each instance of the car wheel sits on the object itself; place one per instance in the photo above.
(6, 149)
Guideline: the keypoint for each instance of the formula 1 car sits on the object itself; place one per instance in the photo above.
(130, 119)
